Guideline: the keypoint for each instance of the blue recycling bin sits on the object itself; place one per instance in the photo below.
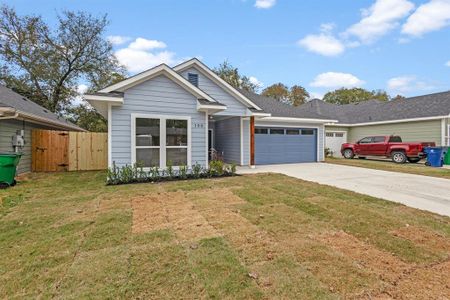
(434, 156)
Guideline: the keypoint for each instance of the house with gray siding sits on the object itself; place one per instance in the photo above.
(18, 117)
(181, 115)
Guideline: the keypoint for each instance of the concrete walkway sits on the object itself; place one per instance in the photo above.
(423, 192)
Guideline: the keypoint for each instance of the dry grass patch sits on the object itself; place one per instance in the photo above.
(170, 211)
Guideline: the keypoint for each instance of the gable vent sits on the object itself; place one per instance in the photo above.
(193, 79)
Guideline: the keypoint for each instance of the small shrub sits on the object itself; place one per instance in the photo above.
(154, 174)
(183, 172)
(216, 168)
(328, 152)
(196, 170)
(169, 170)
(126, 174)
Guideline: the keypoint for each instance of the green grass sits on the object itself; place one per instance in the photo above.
(67, 235)
(418, 169)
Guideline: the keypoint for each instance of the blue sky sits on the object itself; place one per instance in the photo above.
(401, 46)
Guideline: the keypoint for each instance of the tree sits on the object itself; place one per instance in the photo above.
(277, 91)
(398, 97)
(296, 95)
(232, 76)
(86, 117)
(46, 65)
(354, 95)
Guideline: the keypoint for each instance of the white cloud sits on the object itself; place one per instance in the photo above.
(323, 43)
(336, 80)
(430, 16)
(144, 44)
(379, 19)
(447, 63)
(316, 95)
(406, 84)
(118, 39)
(256, 82)
(143, 54)
(138, 60)
(265, 3)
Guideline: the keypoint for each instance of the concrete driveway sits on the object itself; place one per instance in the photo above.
(423, 192)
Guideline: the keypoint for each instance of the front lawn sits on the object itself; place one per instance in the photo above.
(67, 235)
(385, 165)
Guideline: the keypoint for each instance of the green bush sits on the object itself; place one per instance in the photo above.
(136, 172)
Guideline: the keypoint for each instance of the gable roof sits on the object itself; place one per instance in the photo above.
(162, 69)
(206, 71)
(426, 106)
(24, 108)
(279, 109)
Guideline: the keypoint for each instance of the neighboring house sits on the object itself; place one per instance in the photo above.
(179, 114)
(18, 116)
(423, 118)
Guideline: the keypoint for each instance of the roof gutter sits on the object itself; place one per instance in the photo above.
(5, 116)
(305, 120)
(17, 114)
(389, 122)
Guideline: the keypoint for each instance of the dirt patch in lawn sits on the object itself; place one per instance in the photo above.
(424, 237)
(170, 211)
(426, 282)
(402, 280)
(221, 208)
(386, 266)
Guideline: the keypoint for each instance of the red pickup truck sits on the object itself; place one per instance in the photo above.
(387, 146)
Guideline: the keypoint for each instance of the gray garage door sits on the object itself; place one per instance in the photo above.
(285, 145)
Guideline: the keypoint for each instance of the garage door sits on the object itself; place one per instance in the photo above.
(285, 145)
(334, 140)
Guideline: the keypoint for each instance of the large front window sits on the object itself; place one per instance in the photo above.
(161, 141)
(176, 142)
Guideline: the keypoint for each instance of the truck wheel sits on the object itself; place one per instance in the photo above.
(398, 157)
(3, 185)
(348, 154)
(414, 160)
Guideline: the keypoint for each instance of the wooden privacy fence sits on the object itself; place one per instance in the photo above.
(68, 151)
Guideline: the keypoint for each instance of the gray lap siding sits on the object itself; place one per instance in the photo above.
(228, 139)
(234, 107)
(8, 129)
(158, 96)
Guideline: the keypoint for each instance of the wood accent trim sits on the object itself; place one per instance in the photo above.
(252, 141)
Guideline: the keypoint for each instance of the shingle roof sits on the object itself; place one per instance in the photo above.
(279, 109)
(9, 98)
(432, 105)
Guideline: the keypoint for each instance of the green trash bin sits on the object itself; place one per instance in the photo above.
(447, 157)
(8, 166)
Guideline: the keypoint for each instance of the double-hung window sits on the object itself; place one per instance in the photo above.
(159, 141)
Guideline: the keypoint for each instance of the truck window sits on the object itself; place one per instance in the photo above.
(366, 140)
(395, 139)
(379, 139)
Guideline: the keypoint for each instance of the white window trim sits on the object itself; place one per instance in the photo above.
(448, 134)
(162, 141)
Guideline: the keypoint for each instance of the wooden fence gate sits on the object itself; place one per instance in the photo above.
(68, 151)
